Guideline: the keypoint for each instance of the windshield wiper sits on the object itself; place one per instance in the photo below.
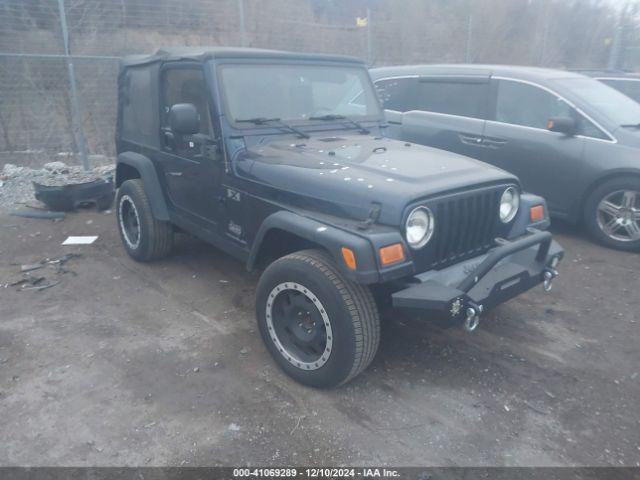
(631, 125)
(281, 125)
(332, 116)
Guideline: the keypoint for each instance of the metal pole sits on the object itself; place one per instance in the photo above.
(616, 49)
(76, 116)
(545, 35)
(467, 50)
(243, 31)
(369, 37)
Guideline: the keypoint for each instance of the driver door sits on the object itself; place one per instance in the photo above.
(192, 173)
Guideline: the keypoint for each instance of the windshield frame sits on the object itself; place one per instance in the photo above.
(218, 68)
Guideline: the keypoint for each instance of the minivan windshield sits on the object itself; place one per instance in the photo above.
(296, 93)
(614, 105)
(629, 86)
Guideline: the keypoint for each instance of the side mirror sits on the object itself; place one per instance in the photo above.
(184, 119)
(566, 125)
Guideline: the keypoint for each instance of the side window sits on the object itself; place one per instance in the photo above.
(530, 106)
(392, 93)
(527, 105)
(462, 98)
(185, 85)
(137, 106)
(588, 129)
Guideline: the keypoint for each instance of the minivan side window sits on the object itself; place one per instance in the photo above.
(527, 105)
(392, 93)
(465, 98)
(519, 103)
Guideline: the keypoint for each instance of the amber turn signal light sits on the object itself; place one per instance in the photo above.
(536, 213)
(349, 258)
(391, 254)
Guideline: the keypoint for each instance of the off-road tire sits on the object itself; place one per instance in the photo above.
(155, 236)
(590, 218)
(350, 308)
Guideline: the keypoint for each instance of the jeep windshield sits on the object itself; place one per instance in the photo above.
(297, 93)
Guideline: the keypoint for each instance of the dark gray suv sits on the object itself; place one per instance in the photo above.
(568, 137)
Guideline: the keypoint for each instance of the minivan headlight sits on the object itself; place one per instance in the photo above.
(509, 204)
(419, 227)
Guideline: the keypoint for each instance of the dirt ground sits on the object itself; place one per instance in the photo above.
(161, 364)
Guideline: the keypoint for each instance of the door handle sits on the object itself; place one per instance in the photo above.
(494, 143)
(470, 139)
(175, 174)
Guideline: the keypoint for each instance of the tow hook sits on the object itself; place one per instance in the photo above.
(472, 320)
(549, 275)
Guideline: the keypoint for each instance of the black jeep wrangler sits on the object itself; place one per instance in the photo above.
(281, 160)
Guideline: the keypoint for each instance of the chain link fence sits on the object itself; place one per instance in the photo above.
(59, 58)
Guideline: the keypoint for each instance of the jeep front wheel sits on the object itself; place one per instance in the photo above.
(321, 328)
(144, 237)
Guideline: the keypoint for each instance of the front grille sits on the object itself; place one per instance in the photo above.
(466, 226)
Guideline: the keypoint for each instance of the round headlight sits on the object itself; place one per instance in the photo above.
(509, 204)
(419, 228)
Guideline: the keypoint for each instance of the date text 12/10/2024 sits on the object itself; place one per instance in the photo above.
(314, 473)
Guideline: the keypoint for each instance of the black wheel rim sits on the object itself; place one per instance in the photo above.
(299, 326)
(129, 221)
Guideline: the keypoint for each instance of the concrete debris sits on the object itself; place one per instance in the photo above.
(233, 427)
(30, 267)
(56, 167)
(38, 283)
(41, 287)
(17, 181)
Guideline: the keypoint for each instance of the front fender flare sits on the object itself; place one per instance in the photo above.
(150, 180)
(330, 238)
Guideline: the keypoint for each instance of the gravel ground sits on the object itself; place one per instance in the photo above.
(124, 363)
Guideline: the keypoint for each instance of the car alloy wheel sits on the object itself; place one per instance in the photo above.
(618, 215)
(129, 221)
(299, 326)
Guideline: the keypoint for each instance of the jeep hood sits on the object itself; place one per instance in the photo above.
(343, 174)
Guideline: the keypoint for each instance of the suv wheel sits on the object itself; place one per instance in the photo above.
(144, 238)
(321, 328)
(612, 214)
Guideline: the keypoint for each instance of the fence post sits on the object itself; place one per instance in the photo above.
(243, 31)
(76, 117)
(467, 49)
(614, 62)
(369, 37)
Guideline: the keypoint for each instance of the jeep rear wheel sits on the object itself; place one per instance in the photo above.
(321, 328)
(144, 238)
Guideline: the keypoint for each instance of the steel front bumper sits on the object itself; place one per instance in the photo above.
(463, 291)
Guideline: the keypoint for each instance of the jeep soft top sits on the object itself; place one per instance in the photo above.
(281, 159)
